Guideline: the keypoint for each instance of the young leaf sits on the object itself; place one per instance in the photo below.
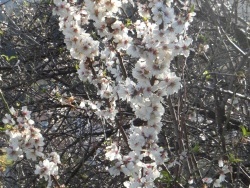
(128, 22)
(12, 57)
(233, 159)
(207, 75)
(8, 58)
(196, 148)
(244, 130)
(192, 8)
(5, 162)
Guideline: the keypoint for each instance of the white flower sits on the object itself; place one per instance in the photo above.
(15, 142)
(46, 168)
(173, 163)
(158, 109)
(25, 112)
(220, 163)
(184, 44)
(115, 170)
(174, 85)
(55, 158)
(158, 11)
(143, 10)
(8, 120)
(143, 111)
(150, 133)
(190, 181)
(224, 170)
(168, 15)
(112, 5)
(15, 139)
(140, 28)
(113, 152)
(207, 180)
(131, 184)
(31, 154)
(37, 140)
(217, 183)
(136, 142)
(141, 70)
(133, 51)
(178, 26)
(13, 112)
(14, 153)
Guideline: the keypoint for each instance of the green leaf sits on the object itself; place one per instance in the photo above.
(104, 72)
(233, 159)
(192, 8)
(2, 129)
(58, 95)
(128, 22)
(6, 127)
(44, 90)
(94, 36)
(165, 177)
(12, 57)
(207, 75)
(7, 58)
(61, 50)
(240, 74)
(202, 38)
(244, 130)
(144, 19)
(5, 162)
(196, 148)
(25, 3)
(77, 66)
(1, 32)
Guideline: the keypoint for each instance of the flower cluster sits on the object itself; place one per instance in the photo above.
(157, 37)
(224, 169)
(27, 141)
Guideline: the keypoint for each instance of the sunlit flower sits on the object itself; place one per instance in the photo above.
(113, 152)
(46, 168)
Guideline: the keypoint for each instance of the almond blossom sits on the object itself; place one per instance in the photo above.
(156, 39)
(26, 141)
